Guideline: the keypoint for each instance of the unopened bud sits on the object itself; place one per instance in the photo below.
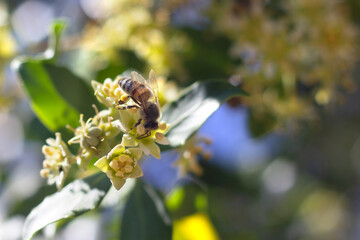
(92, 141)
(95, 132)
(84, 143)
(46, 164)
(44, 173)
(46, 150)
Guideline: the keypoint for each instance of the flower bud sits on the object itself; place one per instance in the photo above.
(95, 132)
(92, 141)
(84, 143)
(44, 173)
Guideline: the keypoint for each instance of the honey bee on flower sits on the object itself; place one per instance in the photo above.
(145, 96)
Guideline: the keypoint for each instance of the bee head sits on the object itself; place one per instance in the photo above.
(151, 125)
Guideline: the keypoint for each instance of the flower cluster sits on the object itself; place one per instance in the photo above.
(99, 138)
(58, 160)
(189, 153)
(292, 61)
(131, 26)
(121, 163)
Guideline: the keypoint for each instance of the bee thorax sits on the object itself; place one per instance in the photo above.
(151, 112)
(151, 125)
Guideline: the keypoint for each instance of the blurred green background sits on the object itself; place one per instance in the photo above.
(284, 160)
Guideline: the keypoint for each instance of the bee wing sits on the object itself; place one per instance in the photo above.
(154, 86)
(151, 84)
(137, 77)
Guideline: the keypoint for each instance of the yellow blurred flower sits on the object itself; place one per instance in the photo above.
(291, 61)
(194, 227)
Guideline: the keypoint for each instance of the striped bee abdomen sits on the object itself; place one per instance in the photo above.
(135, 89)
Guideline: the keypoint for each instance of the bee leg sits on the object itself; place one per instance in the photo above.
(146, 134)
(137, 124)
(128, 107)
(122, 100)
(136, 101)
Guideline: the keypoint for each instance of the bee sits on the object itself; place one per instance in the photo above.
(146, 98)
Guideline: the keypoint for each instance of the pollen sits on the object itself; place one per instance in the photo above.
(125, 158)
(122, 165)
(114, 165)
(128, 168)
(124, 98)
(159, 136)
(162, 125)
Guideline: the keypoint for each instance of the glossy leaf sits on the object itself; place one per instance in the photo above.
(76, 198)
(51, 108)
(56, 94)
(145, 216)
(186, 115)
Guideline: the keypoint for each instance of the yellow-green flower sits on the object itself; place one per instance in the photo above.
(130, 138)
(120, 164)
(188, 161)
(58, 161)
(108, 93)
(93, 136)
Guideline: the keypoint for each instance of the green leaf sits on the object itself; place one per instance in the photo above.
(72, 88)
(56, 94)
(186, 115)
(145, 216)
(76, 198)
(51, 108)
